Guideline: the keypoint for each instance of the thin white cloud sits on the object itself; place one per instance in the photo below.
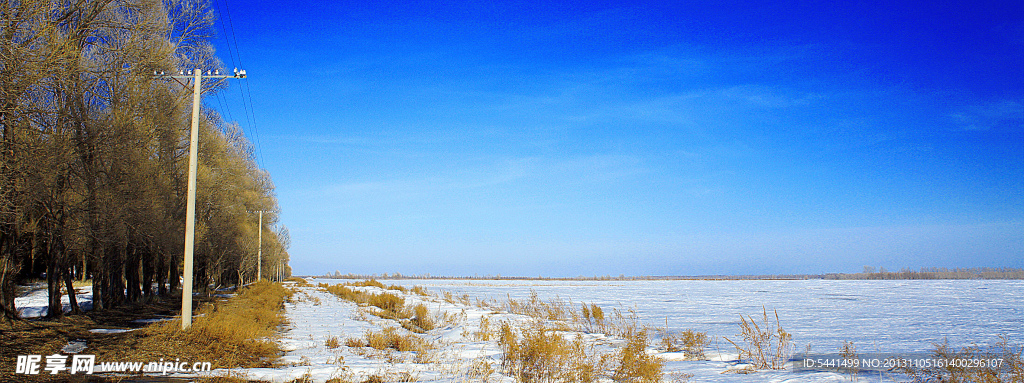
(980, 117)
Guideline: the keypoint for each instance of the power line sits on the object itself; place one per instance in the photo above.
(249, 110)
(256, 131)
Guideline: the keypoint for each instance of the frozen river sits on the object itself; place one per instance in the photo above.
(878, 316)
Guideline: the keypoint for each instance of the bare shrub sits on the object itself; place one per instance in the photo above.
(767, 347)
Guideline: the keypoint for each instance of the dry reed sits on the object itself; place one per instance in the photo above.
(765, 348)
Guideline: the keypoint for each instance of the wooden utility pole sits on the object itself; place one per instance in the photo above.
(193, 163)
(259, 249)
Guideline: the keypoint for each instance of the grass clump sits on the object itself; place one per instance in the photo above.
(690, 342)
(389, 338)
(300, 281)
(389, 306)
(554, 309)
(235, 333)
(419, 290)
(369, 283)
(484, 333)
(1002, 363)
(593, 317)
(344, 292)
(392, 305)
(848, 352)
(634, 364)
(421, 320)
(765, 348)
(332, 342)
(539, 354)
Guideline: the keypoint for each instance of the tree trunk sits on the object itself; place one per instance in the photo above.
(98, 291)
(70, 286)
(173, 276)
(161, 273)
(54, 308)
(147, 272)
(131, 272)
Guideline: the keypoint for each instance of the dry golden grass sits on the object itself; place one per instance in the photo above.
(389, 376)
(634, 364)
(593, 317)
(344, 292)
(848, 352)
(539, 354)
(542, 354)
(554, 309)
(767, 347)
(332, 342)
(691, 342)
(421, 321)
(590, 318)
(457, 299)
(390, 338)
(389, 306)
(950, 366)
(235, 333)
(369, 282)
(419, 290)
(484, 333)
(229, 378)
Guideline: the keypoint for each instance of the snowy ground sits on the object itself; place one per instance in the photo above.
(898, 316)
(879, 316)
(314, 316)
(33, 303)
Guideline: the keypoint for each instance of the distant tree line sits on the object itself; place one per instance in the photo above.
(93, 155)
(934, 273)
(869, 273)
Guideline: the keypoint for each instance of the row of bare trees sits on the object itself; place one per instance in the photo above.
(93, 155)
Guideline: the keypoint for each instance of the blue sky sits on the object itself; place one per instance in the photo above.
(606, 138)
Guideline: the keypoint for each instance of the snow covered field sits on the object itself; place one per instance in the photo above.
(877, 316)
(884, 316)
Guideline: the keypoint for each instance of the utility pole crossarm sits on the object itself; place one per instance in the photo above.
(209, 74)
